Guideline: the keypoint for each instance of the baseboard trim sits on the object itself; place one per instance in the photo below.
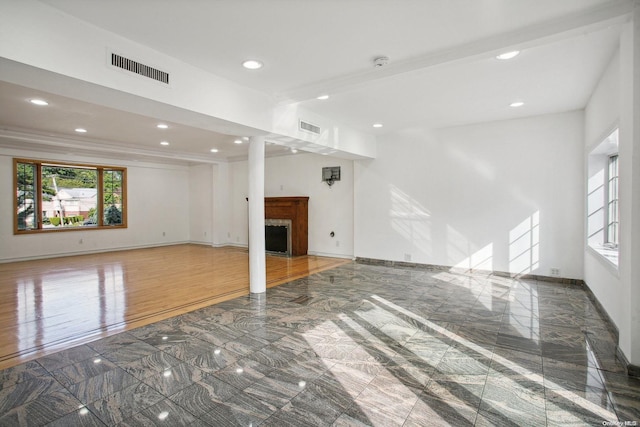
(330, 255)
(235, 245)
(633, 370)
(610, 323)
(435, 267)
(94, 251)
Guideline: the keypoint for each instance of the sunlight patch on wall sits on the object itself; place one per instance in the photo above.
(595, 207)
(458, 245)
(524, 245)
(482, 259)
(410, 219)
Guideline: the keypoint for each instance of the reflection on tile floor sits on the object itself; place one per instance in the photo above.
(358, 345)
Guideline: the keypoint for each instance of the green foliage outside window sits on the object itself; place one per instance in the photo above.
(66, 196)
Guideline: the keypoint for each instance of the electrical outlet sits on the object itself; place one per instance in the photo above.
(164, 234)
(407, 257)
(205, 234)
(81, 241)
(228, 234)
(555, 272)
(337, 243)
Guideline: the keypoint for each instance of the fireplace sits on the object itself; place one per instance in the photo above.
(290, 215)
(277, 236)
(295, 211)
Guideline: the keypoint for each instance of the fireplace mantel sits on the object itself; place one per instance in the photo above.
(296, 209)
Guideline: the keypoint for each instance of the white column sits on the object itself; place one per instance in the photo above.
(257, 259)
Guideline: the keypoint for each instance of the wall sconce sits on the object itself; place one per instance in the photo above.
(331, 174)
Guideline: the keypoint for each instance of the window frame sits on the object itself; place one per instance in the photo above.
(598, 236)
(38, 192)
(612, 213)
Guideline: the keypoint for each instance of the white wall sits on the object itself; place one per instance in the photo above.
(330, 208)
(221, 205)
(201, 204)
(602, 113)
(158, 202)
(630, 42)
(502, 196)
(239, 184)
(613, 104)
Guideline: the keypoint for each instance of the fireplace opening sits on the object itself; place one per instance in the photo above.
(277, 236)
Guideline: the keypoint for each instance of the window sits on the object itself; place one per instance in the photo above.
(612, 203)
(60, 196)
(603, 221)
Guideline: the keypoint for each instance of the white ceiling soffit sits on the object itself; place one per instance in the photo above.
(113, 132)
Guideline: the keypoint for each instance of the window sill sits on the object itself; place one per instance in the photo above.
(608, 253)
(53, 230)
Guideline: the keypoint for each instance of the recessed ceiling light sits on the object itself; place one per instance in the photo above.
(323, 97)
(162, 126)
(293, 150)
(246, 138)
(252, 64)
(377, 125)
(164, 143)
(214, 150)
(508, 55)
(237, 141)
(516, 104)
(41, 102)
(81, 130)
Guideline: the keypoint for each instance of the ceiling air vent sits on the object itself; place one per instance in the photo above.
(138, 68)
(308, 127)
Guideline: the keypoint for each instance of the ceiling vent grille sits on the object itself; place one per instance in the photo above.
(308, 127)
(138, 68)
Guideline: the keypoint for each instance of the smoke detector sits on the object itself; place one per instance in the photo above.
(381, 61)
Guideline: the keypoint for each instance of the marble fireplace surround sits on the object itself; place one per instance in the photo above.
(279, 223)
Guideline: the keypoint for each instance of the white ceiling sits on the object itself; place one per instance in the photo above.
(116, 133)
(442, 69)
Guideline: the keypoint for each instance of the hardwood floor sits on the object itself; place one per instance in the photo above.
(50, 304)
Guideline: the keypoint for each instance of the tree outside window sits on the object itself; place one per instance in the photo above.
(57, 196)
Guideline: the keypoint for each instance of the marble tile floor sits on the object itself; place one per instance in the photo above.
(359, 345)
